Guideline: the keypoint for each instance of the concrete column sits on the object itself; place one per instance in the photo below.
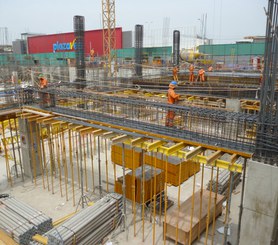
(26, 147)
(259, 205)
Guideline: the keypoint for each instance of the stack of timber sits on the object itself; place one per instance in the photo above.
(20, 221)
(132, 160)
(223, 182)
(149, 182)
(90, 225)
(180, 220)
(188, 168)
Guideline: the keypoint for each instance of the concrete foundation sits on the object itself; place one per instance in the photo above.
(259, 205)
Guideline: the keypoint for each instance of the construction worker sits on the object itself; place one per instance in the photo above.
(191, 73)
(92, 55)
(172, 99)
(43, 95)
(175, 73)
(201, 75)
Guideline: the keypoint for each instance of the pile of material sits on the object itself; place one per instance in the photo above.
(149, 184)
(20, 221)
(90, 225)
(178, 222)
(223, 182)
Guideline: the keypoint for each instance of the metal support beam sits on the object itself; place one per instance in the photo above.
(214, 156)
(194, 153)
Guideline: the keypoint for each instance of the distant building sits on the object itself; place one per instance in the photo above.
(5, 49)
(245, 54)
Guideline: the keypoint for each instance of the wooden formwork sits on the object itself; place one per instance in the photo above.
(188, 168)
(116, 156)
(150, 174)
(178, 221)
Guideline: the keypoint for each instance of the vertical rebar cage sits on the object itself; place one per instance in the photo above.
(138, 49)
(267, 132)
(79, 27)
(176, 48)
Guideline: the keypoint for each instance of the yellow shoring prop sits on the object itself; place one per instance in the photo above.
(201, 201)
(71, 165)
(215, 203)
(165, 200)
(64, 161)
(209, 204)
(8, 171)
(57, 153)
(92, 163)
(39, 154)
(33, 155)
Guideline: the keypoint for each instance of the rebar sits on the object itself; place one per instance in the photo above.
(267, 132)
(138, 49)
(90, 225)
(21, 221)
(79, 27)
(176, 47)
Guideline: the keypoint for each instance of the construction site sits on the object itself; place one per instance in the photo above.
(93, 151)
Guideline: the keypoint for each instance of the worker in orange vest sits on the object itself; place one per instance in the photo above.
(172, 99)
(92, 54)
(175, 73)
(201, 75)
(191, 73)
(43, 95)
(43, 82)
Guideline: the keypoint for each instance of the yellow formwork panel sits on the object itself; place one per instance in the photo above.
(116, 156)
(188, 168)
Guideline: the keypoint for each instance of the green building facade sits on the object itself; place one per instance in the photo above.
(240, 54)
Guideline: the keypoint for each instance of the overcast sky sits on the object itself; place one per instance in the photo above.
(227, 20)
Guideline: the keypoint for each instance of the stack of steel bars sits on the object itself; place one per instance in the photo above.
(90, 225)
(223, 182)
(21, 221)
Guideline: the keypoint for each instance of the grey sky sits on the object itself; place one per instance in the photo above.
(227, 20)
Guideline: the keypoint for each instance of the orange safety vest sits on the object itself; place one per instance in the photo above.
(43, 83)
(175, 71)
(172, 96)
(201, 72)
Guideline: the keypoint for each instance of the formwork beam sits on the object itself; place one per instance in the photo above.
(138, 141)
(194, 152)
(155, 145)
(120, 139)
(158, 145)
(214, 156)
(171, 150)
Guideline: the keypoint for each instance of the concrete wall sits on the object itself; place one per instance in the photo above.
(259, 206)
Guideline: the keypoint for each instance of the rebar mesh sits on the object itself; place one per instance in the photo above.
(216, 127)
(176, 47)
(79, 27)
(138, 49)
(267, 133)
